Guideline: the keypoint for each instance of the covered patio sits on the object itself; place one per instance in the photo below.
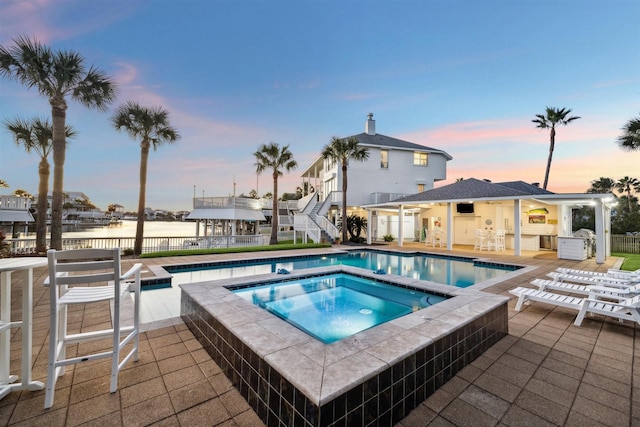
(524, 211)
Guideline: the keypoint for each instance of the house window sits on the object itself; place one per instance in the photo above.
(420, 188)
(384, 159)
(420, 159)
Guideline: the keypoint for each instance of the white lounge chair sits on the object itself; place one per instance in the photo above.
(576, 288)
(595, 303)
(589, 280)
(530, 294)
(627, 308)
(618, 274)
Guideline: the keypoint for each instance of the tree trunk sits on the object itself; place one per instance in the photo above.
(144, 158)
(58, 114)
(552, 143)
(41, 221)
(274, 212)
(344, 202)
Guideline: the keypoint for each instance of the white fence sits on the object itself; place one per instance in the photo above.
(149, 244)
(625, 244)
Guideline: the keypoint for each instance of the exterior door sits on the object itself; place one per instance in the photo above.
(464, 228)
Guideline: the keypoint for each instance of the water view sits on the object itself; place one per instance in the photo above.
(128, 229)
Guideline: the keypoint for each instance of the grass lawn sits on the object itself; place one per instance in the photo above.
(631, 261)
(286, 245)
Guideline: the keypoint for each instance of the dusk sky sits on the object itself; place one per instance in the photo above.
(463, 76)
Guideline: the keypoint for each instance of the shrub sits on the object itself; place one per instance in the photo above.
(387, 238)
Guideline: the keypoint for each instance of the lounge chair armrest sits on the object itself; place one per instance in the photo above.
(135, 269)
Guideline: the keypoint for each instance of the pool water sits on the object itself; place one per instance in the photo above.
(335, 306)
(459, 272)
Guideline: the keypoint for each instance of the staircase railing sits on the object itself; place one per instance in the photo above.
(328, 226)
(304, 223)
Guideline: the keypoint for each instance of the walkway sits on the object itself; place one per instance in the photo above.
(545, 372)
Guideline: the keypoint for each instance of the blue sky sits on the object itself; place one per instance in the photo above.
(463, 76)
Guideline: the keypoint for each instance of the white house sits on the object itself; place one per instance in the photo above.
(395, 168)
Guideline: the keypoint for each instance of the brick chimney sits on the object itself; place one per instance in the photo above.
(370, 125)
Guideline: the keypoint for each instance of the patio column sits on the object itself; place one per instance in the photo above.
(600, 245)
(400, 225)
(449, 226)
(516, 226)
(369, 216)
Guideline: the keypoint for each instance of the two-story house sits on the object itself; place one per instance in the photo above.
(395, 168)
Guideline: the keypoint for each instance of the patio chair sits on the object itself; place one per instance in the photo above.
(597, 302)
(481, 240)
(89, 276)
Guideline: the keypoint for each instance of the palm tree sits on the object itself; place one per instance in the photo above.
(276, 158)
(602, 186)
(151, 126)
(3, 184)
(630, 139)
(343, 150)
(56, 75)
(21, 192)
(626, 185)
(549, 120)
(37, 135)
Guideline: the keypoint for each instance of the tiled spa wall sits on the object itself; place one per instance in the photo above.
(382, 400)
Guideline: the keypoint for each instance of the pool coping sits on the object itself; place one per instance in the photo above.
(325, 371)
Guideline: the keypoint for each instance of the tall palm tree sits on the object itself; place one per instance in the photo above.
(602, 185)
(343, 150)
(627, 185)
(57, 75)
(275, 158)
(151, 126)
(549, 120)
(36, 135)
(630, 139)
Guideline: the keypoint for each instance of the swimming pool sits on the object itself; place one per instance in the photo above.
(455, 271)
(374, 377)
(335, 306)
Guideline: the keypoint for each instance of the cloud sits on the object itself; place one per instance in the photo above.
(50, 20)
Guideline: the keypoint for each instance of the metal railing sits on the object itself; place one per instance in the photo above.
(149, 244)
(625, 244)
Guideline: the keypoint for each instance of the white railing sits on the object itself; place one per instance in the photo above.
(328, 226)
(241, 202)
(149, 244)
(15, 203)
(384, 197)
(304, 223)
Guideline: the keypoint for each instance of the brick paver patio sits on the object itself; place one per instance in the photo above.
(545, 372)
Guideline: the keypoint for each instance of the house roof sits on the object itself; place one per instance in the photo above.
(384, 141)
(472, 189)
(7, 215)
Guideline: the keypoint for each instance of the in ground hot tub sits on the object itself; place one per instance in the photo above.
(379, 374)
